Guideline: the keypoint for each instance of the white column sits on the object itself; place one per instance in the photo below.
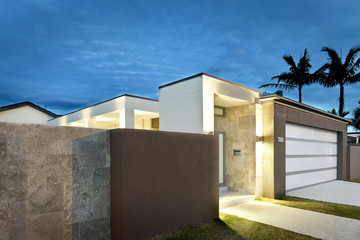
(127, 118)
(90, 122)
(208, 112)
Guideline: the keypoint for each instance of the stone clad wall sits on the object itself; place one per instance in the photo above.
(91, 187)
(36, 180)
(239, 125)
(55, 182)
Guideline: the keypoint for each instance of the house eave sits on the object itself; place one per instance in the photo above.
(290, 102)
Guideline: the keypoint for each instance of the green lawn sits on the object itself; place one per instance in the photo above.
(231, 227)
(354, 180)
(317, 206)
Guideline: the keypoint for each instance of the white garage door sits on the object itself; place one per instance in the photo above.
(311, 156)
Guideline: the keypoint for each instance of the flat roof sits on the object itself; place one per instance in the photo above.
(208, 75)
(124, 95)
(354, 134)
(289, 101)
(28, 104)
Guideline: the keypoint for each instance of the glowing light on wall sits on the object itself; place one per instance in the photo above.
(99, 118)
(259, 150)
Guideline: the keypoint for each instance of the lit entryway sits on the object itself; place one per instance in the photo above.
(311, 156)
(229, 199)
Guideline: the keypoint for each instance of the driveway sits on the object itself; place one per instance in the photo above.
(335, 191)
(318, 225)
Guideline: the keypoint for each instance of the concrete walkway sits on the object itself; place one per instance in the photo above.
(229, 199)
(310, 223)
(335, 191)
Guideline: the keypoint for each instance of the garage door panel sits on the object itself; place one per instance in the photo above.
(294, 147)
(304, 164)
(306, 179)
(302, 132)
(311, 156)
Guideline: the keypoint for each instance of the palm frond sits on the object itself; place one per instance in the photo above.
(290, 61)
(304, 63)
(350, 57)
(333, 55)
(344, 114)
(353, 79)
(278, 85)
(351, 70)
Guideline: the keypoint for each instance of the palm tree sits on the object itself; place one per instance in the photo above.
(356, 120)
(297, 77)
(334, 72)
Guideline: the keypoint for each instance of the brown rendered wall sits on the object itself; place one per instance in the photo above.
(161, 181)
(354, 161)
(36, 180)
(239, 125)
(275, 117)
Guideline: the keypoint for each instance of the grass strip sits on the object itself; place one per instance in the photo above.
(354, 180)
(336, 209)
(230, 227)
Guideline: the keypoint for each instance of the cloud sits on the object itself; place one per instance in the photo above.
(106, 43)
(74, 42)
(86, 51)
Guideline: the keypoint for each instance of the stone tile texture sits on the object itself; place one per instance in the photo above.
(36, 180)
(239, 125)
(91, 187)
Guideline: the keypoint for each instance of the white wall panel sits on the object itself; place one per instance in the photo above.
(305, 179)
(304, 164)
(181, 107)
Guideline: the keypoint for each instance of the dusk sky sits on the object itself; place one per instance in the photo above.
(70, 54)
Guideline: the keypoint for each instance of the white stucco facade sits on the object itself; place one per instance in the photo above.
(122, 112)
(181, 106)
(25, 114)
(188, 105)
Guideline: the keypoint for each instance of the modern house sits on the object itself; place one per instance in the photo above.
(125, 111)
(268, 145)
(25, 112)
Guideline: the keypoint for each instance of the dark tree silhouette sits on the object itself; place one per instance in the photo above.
(334, 72)
(333, 111)
(298, 76)
(356, 119)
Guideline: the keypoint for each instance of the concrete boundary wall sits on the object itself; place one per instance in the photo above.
(55, 182)
(354, 161)
(161, 181)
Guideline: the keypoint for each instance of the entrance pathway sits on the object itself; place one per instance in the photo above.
(335, 191)
(310, 223)
(228, 199)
